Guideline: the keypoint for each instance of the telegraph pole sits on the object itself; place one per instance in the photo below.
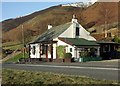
(23, 42)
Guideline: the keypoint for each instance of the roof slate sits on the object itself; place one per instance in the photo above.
(52, 33)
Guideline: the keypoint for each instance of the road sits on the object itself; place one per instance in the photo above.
(98, 72)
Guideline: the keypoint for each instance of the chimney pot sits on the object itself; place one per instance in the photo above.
(49, 26)
(74, 20)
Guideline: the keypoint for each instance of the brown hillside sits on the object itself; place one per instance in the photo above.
(93, 15)
(55, 16)
(97, 11)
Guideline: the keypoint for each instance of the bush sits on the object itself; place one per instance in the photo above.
(67, 55)
(60, 51)
(116, 39)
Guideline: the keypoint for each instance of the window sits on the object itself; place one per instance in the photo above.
(94, 31)
(70, 49)
(77, 31)
(109, 34)
(33, 51)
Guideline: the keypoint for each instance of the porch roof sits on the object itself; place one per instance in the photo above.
(52, 33)
(79, 42)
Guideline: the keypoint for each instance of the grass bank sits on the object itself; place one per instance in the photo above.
(21, 77)
(17, 57)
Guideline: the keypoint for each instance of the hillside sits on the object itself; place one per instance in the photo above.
(55, 15)
(13, 23)
(38, 21)
(97, 12)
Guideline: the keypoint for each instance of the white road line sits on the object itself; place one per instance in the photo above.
(75, 67)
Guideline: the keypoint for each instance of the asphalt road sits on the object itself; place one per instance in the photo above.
(97, 72)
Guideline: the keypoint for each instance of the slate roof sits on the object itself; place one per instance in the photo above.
(52, 33)
(79, 42)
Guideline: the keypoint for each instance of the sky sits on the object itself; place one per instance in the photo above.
(12, 9)
(17, 9)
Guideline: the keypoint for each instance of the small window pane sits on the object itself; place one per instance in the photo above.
(109, 34)
(77, 31)
(33, 51)
(70, 49)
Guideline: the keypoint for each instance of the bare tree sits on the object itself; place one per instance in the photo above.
(105, 16)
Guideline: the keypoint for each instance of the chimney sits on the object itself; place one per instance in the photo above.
(74, 19)
(49, 26)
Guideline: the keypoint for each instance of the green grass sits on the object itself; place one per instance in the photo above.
(12, 76)
(17, 57)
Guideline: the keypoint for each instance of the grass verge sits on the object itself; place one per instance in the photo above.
(17, 57)
(22, 77)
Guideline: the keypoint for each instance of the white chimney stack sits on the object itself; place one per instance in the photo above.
(74, 19)
(49, 26)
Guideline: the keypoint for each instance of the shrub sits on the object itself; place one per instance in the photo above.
(60, 51)
(84, 54)
(67, 55)
(116, 39)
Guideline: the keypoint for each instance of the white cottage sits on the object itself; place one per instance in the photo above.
(72, 36)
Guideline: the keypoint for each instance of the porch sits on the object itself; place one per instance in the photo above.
(108, 50)
(87, 53)
(82, 50)
(43, 51)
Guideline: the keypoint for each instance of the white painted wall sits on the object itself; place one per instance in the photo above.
(54, 51)
(71, 32)
(49, 53)
(85, 34)
(61, 43)
(37, 50)
(73, 50)
(76, 53)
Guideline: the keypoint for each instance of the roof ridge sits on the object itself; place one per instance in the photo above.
(59, 25)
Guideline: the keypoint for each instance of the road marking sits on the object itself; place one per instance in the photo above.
(75, 67)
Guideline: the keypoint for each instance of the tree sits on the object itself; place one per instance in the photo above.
(105, 16)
